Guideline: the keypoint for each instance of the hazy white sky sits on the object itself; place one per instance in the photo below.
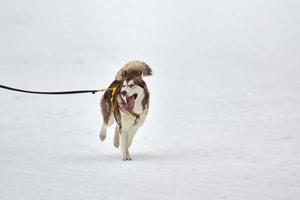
(258, 33)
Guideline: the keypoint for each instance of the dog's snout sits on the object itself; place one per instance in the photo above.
(124, 93)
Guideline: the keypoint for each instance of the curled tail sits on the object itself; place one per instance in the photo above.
(134, 68)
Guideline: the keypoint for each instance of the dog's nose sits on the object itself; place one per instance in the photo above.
(123, 93)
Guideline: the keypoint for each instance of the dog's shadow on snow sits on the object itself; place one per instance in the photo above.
(138, 157)
(151, 157)
(94, 158)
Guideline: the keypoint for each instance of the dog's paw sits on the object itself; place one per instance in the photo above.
(102, 136)
(126, 157)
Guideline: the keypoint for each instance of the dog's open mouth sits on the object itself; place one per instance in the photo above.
(130, 102)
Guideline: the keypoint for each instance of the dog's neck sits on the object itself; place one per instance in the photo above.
(138, 107)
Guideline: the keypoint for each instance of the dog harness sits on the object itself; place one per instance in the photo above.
(114, 89)
(137, 116)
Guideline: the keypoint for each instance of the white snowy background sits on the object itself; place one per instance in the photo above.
(224, 120)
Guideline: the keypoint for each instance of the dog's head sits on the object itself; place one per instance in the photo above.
(132, 91)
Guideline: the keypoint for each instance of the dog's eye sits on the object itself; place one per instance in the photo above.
(131, 85)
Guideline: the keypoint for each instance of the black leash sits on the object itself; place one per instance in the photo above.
(53, 93)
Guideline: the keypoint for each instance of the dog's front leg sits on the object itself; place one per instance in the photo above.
(124, 145)
(131, 135)
(103, 131)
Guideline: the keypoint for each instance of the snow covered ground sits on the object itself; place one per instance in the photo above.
(224, 120)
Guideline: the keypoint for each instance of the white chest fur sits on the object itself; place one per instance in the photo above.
(128, 120)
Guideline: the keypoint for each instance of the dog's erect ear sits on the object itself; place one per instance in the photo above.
(121, 75)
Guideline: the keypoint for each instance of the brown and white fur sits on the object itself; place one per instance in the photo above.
(128, 107)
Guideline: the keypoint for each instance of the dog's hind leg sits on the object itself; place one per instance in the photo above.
(103, 131)
(117, 137)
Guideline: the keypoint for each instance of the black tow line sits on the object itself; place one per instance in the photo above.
(53, 93)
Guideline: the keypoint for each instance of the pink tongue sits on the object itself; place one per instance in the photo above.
(130, 103)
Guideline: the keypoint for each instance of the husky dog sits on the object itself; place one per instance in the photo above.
(126, 102)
